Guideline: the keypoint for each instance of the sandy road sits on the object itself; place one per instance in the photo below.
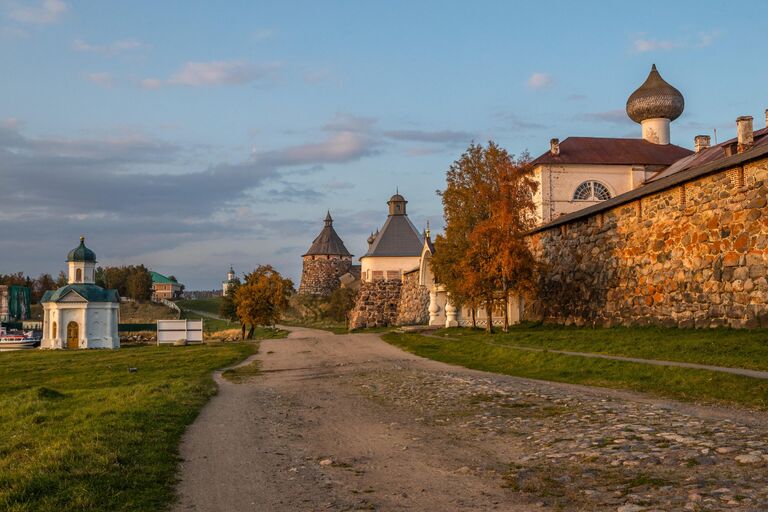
(266, 445)
(351, 423)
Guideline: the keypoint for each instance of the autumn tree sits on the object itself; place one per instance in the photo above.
(488, 207)
(262, 298)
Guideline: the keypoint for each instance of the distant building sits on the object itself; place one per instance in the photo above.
(326, 261)
(80, 314)
(394, 249)
(582, 171)
(225, 285)
(165, 287)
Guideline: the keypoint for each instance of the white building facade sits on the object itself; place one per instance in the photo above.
(394, 249)
(81, 314)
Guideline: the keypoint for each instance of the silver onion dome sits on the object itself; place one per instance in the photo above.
(655, 98)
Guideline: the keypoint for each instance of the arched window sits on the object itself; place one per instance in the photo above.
(78, 276)
(591, 191)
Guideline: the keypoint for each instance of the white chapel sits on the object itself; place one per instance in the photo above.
(80, 314)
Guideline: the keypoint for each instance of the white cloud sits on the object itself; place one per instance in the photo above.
(109, 49)
(46, 12)
(263, 34)
(648, 45)
(197, 74)
(102, 79)
(540, 81)
(643, 44)
(341, 147)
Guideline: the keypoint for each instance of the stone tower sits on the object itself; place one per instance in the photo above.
(325, 262)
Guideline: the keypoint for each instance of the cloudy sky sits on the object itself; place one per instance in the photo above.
(194, 135)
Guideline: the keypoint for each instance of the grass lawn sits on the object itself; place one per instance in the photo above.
(145, 312)
(80, 433)
(720, 347)
(210, 305)
(324, 325)
(680, 383)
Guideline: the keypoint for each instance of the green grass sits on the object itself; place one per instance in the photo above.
(210, 305)
(211, 325)
(323, 325)
(242, 373)
(78, 432)
(720, 347)
(679, 383)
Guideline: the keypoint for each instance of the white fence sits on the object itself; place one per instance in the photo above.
(173, 331)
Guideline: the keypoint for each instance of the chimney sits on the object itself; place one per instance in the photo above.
(744, 134)
(554, 146)
(701, 142)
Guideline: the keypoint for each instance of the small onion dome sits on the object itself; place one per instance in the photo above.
(655, 98)
(81, 253)
(396, 198)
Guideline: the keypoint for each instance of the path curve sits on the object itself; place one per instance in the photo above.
(348, 422)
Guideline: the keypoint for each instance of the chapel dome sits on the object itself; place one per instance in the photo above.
(81, 253)
(655, 99)
(396, 198)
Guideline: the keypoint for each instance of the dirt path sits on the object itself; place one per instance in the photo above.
(351, 423)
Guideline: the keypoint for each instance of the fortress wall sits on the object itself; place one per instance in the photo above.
(320, 276)
(377, 304)
(413, 308)
(694, 255)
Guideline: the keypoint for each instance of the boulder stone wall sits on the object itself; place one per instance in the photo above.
(320, 276)
(413, 308)
(694, 255)
(376, 305)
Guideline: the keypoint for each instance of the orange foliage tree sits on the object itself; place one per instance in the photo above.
(488, 207)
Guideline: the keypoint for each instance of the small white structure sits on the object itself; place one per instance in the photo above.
(174, 331)
(80, 314)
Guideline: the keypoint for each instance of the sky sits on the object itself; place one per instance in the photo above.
(190, 136)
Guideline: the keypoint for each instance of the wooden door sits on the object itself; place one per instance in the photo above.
(73, 341)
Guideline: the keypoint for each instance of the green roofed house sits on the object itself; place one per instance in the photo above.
(80, 314)
(165, 287)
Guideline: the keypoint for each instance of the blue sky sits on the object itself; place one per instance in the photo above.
(194, 135)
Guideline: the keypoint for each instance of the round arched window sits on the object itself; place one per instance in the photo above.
(591, 191)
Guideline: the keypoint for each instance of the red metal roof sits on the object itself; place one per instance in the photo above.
(708, 155)
(611, 151)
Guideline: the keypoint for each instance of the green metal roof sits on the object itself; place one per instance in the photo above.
(161, 279)
(81, 253)
(89, 292)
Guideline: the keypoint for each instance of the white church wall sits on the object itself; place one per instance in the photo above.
(385, 264)
(559, 182)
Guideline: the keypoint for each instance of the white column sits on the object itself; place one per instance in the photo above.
(433, 307)
(450, 314)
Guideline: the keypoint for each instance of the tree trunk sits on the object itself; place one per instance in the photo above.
(242, 334)
(506, 308)
(250, 332)
(474, 319)
(489, 314)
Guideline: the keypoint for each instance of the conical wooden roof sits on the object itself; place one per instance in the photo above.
(328, 242)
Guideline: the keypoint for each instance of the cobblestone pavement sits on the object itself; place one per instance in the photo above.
(351, 423)
(588, 450)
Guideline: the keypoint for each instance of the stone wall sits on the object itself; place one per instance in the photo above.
(694, 255)
(376, 305)
(320, 276)
(413, 308)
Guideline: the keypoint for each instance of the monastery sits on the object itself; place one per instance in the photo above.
(630, 231)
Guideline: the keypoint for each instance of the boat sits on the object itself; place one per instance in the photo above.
(22, 341)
